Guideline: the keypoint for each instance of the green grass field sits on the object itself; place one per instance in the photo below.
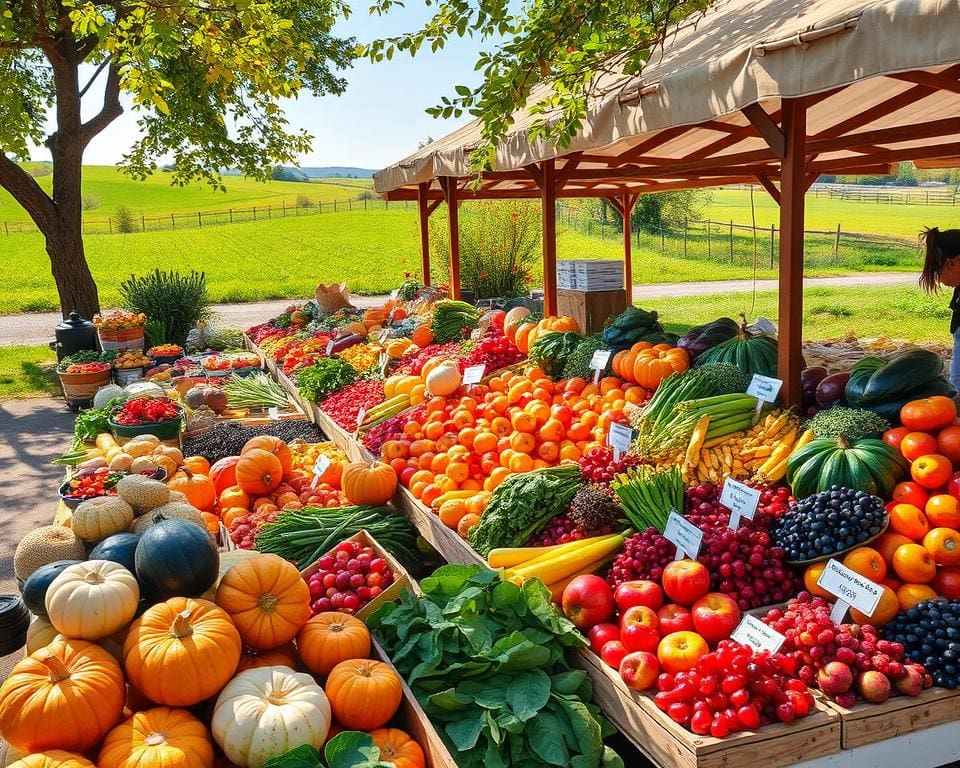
(27, 372)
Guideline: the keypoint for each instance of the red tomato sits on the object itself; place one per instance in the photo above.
(909, 492)
(917, 444)
(894, 437)
(928, 414)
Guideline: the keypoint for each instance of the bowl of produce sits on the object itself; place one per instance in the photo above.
(165, 353)
(120, 330)
(83, 373)
(159, 416)
(129, 366)
(91, 483)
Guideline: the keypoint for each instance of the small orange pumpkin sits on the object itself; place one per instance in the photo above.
(396, 747)
(223, 473)
(653, 365)
(234, 496)
(211, 522)
(364, 694)
(331, 637)
(230, 514)
(259, 472)
(422, 336)
(274, 445)
(284, 656)
(55, 758)
(160, 738)
(198, 489)
(368, 483)
(198, 465)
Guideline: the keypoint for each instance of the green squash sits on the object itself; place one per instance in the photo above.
(885, 386)
(751, 353)
(867, 465)
(176, 558)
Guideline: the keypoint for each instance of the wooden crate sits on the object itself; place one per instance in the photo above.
(445, 540)
(868, 723)
(591, 309)
(672, 746)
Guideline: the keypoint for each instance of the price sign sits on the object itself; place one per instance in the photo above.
(740, 499)
(757, 635)
(619, 438)
(273, 413)
(394, 293)
(329, 347)
(383, 335)
(361, 415)
(473, 374)
(764, 388)
(850, 588)
(599, 362)
(684, 535)
(320, 466)
(384, 362)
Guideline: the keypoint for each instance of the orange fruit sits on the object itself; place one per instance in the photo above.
(944, 545)
(457, 471)
(523, 442)
(521, 462)
(887, 609)
(867, 562)
(451, 512)
(810, 578)
(523, 422)
(467, 522)
(914, 564)
(908, 520)
(943, 511)
(888, 543)
(911, 595)
(484, 442)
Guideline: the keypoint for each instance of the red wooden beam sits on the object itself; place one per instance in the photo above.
(449, 186)
(423, 209)
(625, 206)
(548, 202)
(935, 80)
(771, 188)
(768, 130)
(948, 126)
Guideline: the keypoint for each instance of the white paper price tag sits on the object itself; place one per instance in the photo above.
(850, 588)
(393, 314)
(394, 293)
(473, 374)
(764, 388)
(329, 347)
(684, 535)
(383, 335)
(598, 363)
(361, 415)
(273, 413)
(319, 467)
(619, 438)
(757, 635)
(740, 499)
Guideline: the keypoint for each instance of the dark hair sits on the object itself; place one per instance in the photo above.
(939, 247)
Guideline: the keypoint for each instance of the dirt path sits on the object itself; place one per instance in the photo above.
(38, 328)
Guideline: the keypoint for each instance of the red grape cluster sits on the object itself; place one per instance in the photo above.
(644, 556)
(598, 466)
(843, 659)
(348, 578)
(562, 530)
(734, 689)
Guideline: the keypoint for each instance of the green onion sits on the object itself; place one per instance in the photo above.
(257, 391)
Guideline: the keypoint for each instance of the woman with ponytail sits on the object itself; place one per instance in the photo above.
(941, 267)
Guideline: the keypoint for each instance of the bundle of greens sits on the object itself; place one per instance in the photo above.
(257, 391)
(851, 423)
(578, 361)
(551, 351)
(323, 377)
(92, 421)
(522, 505)
(86, 356)
(648, 494)
(451, 317)
(487, 661)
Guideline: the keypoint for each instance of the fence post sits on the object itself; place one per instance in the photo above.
(349, 206)
(173, 222)
(231, 215)
(685, 237)
(773, 237)
(269, 211)
(200, 218)
(283, 204)
(709, 239)
(663, 241)
(254, 213)
(143, 224)
(6, 229)
(836, 243)
(364, 203)
(110, 225)
(334, 206)
(731, 241)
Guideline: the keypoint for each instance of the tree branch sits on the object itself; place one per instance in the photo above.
(95, 75)
(25, 190)
(112, 109)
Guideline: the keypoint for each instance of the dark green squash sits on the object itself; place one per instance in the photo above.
(118, 548)
(885, 386)
(751, 353)
(703, 337)
(176, 558)
(34, 589)
(867, 465)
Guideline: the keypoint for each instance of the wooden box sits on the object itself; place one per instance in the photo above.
(445, 540)
(591, 309)
(672, 746)
(401, 578)
(867, 723)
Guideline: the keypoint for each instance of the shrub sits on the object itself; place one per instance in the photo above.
(304, 202)
(178, 301)
(499, 247)
(669, 210)
(90, 202)
(123, 219)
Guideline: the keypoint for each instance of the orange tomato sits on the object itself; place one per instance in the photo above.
(552, 430)
(888, 543)
(570, 453)
(948, 444)
(523, 422)
(234, 496)
(914, 564)
(886, 611)
(931, 470)
(457, 471)
(539, 411)
(230, 514)
(917, 444)
(496, 477)
(911, 595)
(575, 385)
(549, 451)
(467, 522)
(908, 520)
(467, 437)
(944, 545)
(911, 493)
(928, 414)
(451, 512)
(484, 442)
(867, 562)
(943, 511)
(523, 442)
(520, 462)
(810, 577)
(500, 426)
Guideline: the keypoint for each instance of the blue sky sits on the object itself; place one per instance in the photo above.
(379, 119)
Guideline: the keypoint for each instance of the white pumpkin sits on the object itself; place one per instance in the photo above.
(443, 379)
(92, 600)
(99, 517)
(40, 634)
(265, 711)
(514, 316)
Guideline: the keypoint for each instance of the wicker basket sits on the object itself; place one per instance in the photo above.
(164, 430)
(83, 386)
(120, 339)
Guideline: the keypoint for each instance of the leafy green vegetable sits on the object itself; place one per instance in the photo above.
(578, 361)
(352, 749)
(450, 317)
(304, 756)
(92, 421)
(323, 377)
(87, 356)
(551, 350)
(487, 661)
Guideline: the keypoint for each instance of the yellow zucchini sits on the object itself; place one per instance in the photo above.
(696, 440)
(559, 550)
(508, 557)
(105, 441)
(561, 566)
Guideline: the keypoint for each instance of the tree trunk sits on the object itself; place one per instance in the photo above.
(75, 285)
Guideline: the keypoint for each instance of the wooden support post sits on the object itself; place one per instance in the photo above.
(449, 185)
(792, 190)
(424, 214)
(548, 201)
(626, 202)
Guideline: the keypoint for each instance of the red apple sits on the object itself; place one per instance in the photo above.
(947, 582)
(588, 600)
(674, 618)
(715, 616)
(638, 629)
(685, 581)
(612, 653)
(601, 634)
(639, 670)
(645, 592)
(953, 486)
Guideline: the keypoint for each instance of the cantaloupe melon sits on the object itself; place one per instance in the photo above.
(143, 493)
(46, 544)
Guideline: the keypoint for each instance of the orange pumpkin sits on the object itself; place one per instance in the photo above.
(398, 748)
(364, 694)
(55, 758)
(368, 483)
(234, 496)
(274, 445)
(266, 599)
(158, 738)
(331, 637)
(230, 514)
(211, 523)
(422, 336)
(198, 489)
(283, 656)
(198, 465)
(259, 472)
(65, 696)
(223, 473)
(653, 365)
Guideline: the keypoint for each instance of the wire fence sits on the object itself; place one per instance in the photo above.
(870, 193)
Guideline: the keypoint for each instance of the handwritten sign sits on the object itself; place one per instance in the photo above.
(329, 347)
(740, 499)
(850, 588)
(764, 388)
(473, 374)
(383, 335)
(619, 438)
(273, 413)
(684, 535)
(319, 467)
(757, 635)
(361, 415)
(598, 363)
